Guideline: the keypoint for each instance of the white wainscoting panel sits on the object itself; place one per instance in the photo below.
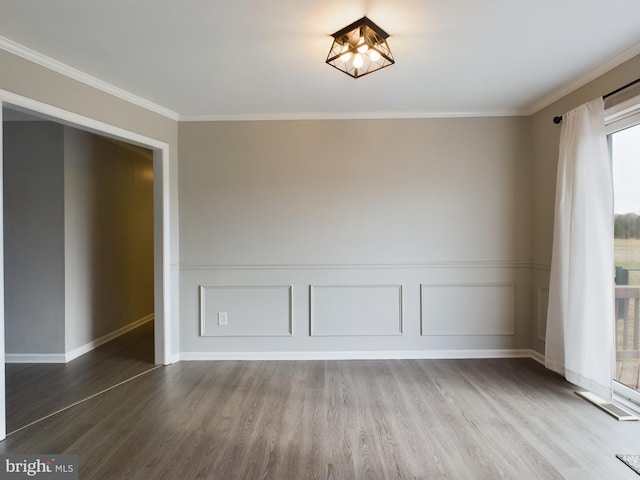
(351, 310)
(263, 310)
(468, 309)
(542, 295)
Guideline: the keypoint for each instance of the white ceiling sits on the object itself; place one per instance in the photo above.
(265, 58)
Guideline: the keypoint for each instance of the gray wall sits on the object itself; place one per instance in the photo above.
(271, 234)
(545, 138)
(34, 237)
(379, 234)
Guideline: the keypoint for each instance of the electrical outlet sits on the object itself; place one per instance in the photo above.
(222, 318)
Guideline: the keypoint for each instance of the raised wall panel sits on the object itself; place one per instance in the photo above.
(541, 317)
(468, 309)
(251, 310)
(349, 310)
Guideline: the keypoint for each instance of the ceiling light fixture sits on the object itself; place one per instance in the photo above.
(360, 48)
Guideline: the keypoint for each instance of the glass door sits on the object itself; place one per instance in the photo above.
(625, 153)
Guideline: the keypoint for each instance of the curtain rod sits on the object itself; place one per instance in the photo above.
(558, 119)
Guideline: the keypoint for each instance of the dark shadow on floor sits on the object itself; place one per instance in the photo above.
(35, 390)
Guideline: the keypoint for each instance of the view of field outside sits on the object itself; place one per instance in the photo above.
(625, 150)
(627, 255)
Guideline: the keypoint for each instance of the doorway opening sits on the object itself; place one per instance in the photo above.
(161, 238)
(78, 270)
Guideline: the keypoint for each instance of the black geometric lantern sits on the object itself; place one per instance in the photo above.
(360, 48)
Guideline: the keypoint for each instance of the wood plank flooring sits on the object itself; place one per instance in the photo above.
(37, 390)
(387, 419)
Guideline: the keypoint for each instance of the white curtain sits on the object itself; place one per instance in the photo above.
(580, 323)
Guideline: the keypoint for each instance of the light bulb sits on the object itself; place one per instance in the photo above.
(374, 55)
(345, 54)
(345, 57)
(357, 61)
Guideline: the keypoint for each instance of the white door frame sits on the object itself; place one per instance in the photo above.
(161, 222)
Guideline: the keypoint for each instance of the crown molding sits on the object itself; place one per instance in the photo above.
(59, 67)
(68, 71)
(63, 69)
(581, 81)
(256, 117)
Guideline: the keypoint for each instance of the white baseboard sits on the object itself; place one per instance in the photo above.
(34, 358)
(87, 347)
(538, 357)
(342, 355)
(356, 355)
(75, 353)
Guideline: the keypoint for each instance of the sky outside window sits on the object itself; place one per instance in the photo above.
(626, 170)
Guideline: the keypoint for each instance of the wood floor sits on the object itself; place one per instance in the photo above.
(628, 372)
(37, 390)
(389, 419)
